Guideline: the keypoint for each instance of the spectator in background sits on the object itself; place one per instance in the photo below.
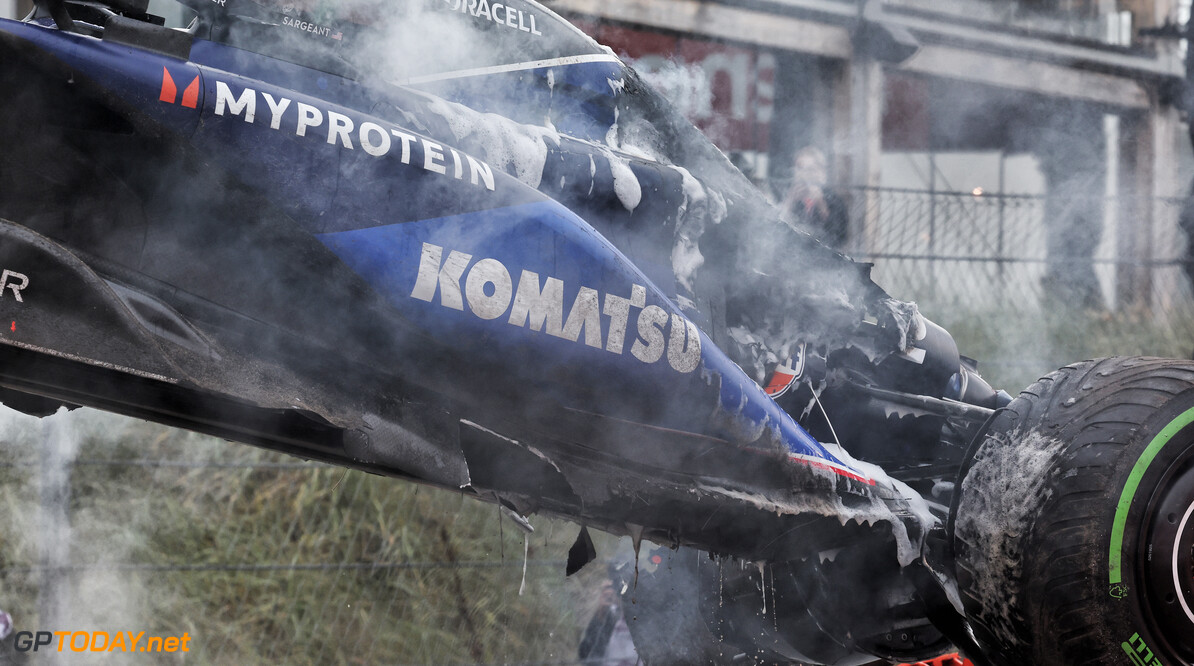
(807, 203)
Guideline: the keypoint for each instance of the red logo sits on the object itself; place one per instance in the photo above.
(190, 96)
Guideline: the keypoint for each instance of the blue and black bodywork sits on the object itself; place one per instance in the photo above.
(515, 272)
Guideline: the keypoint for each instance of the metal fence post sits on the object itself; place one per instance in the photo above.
(1001, 264)
(932, 286)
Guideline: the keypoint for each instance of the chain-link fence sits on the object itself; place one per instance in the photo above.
(1024, 283)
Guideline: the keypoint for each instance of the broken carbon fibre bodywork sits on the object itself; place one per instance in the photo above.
(478, 253)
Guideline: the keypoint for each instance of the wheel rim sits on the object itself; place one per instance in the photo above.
(1183, 563)
(1167, 552)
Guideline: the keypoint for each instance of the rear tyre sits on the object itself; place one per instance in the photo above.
(1073, 528)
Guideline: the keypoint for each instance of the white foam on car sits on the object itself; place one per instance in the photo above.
(999, 499)
(519, 150)
(626, 186)
(918, 508)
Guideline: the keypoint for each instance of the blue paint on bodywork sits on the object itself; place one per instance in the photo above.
(547, 239)
(521, 228)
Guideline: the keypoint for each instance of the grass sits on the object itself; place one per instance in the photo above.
(386, 571)
(1014, 349)
(263, 559)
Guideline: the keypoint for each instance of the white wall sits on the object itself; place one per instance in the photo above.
(8, 8)
(963, 172)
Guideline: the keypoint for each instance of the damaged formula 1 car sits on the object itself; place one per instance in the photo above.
(473, 250)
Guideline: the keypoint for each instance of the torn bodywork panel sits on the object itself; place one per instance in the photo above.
(527, 279)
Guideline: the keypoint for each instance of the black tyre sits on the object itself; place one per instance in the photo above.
(1073, 528)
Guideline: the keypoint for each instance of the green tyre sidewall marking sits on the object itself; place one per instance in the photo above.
(1133, 485)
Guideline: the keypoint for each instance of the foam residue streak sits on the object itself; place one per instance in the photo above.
(522, 150)
(686, 254)
(892, 501)
(519, 150)
(611, 137)
(870, 512)
(626, 186)
(999, 496)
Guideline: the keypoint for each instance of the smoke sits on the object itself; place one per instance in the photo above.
(1053, 227)
(734, 265)
(684, 84)
(61, 537)
(59, 448)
